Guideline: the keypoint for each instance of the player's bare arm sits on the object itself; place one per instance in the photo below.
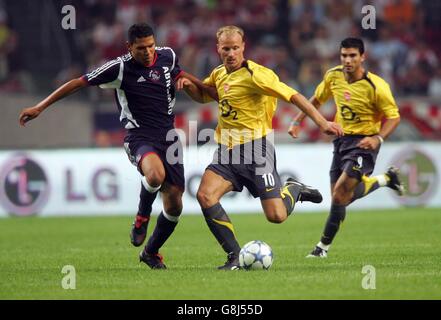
(327, 127)
(294, 127)
(196, 92)
(190, 88)
(374, 142)
(196, 88)
(66, 89)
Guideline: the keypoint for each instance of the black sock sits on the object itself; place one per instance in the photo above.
(164, 228)
(146, 200)
(290, 194)
(222, 228)
(336, 217)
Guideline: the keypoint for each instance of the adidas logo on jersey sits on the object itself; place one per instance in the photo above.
(141, 79)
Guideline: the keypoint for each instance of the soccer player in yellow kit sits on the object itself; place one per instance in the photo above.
(363, 100)
(247, 95)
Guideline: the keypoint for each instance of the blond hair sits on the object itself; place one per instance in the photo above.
(229, 30)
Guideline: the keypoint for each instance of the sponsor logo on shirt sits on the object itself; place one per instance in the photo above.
(154, 75)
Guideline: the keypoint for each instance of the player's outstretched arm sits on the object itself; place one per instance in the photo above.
(202, 87)
(27, 114)
(190, 88)
(294, 127)
(327, 127)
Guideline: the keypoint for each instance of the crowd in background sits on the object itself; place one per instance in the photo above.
(298, 39)
(299, 43)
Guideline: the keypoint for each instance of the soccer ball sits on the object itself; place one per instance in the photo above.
(256, 254)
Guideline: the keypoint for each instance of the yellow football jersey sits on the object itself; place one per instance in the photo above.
(247, 101)
(361, 105)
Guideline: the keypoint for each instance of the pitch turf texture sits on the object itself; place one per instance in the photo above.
(404, 247)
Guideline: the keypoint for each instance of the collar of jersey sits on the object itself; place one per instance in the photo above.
(364, 77)
(243, 65)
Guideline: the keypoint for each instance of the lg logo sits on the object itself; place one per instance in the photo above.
(24, 187)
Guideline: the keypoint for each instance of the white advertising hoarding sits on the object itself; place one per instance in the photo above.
(103, 181)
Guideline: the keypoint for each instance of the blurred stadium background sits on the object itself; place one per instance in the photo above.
(71, 161)
(298, 39)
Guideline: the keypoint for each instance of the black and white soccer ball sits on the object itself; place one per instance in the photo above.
(256, 254)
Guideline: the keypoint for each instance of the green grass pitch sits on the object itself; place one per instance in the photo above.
(404, 247)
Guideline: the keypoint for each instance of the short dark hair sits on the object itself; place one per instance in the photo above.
(353, 43)
(139, 30)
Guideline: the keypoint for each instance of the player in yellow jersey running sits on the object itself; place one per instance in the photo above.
(363, 100)
(247, 95)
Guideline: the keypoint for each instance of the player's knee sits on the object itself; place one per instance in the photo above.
(174, 210)
(275, 216)
(155, 178)
(206, 199)
(341, 197)
(172, 202)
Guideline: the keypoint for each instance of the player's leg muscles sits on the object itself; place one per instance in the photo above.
(153, 170)
(172, 199)
(275, 210)
(211, 189)
(167, 219)
(344, 189)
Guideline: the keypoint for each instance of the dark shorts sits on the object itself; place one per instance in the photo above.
(139, 147)
(252, 165)
(349, 158)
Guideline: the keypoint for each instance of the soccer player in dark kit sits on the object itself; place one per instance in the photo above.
(143, 81)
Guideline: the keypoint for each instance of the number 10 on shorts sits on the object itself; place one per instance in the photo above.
(268, 178)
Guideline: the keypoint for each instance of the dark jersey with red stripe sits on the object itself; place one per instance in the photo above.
(145, 95)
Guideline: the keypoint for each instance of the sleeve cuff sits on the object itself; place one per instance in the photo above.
(179, 75)
(84, 78)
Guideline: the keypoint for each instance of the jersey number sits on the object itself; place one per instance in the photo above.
(227, 110)
(347, 114)
(268, 178)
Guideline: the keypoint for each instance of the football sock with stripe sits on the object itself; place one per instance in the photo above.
(368, 185)
(290, 194)
(222, 228)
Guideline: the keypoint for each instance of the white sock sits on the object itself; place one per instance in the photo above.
(148, 187)
(323, 246)
(169, 217)
(382, 181)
